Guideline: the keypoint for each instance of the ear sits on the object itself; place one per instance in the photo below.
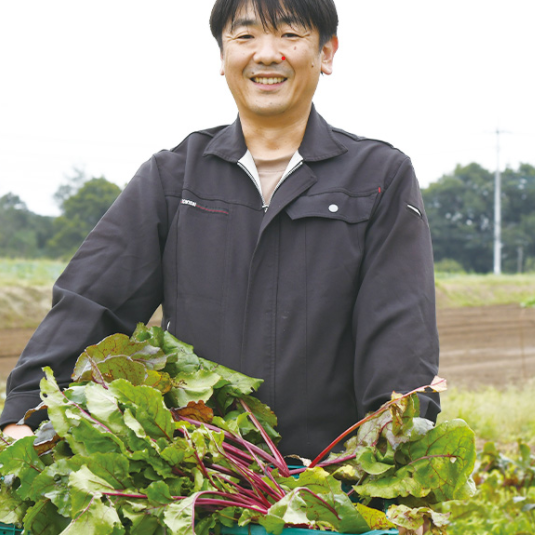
(222, 67)
(327, 55)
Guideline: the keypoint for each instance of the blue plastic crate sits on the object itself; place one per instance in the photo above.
(9, 529)
(255, 529)
(252, 529)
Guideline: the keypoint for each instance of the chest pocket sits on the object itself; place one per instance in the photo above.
(334, 205)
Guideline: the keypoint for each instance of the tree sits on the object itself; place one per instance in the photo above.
(22, 233)
(518, 209)
(73, 183)
(460, 212)
(460, 209)
(81, 211)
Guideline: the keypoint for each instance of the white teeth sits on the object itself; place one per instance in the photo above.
(268, 81)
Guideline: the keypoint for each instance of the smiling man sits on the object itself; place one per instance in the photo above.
(279, 245)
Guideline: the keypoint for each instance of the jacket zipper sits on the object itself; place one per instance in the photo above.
(297, 166)
(265, 206)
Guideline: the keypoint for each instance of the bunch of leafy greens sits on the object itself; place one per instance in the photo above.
(151, 439)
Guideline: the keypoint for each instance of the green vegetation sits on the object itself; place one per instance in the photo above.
(504, 416)
(82, 201)
(460, 209)
(23, 272)
(505, 499)
(504, 423)
(458, 290)
(151, 438)
(80, 213)
(453, 289)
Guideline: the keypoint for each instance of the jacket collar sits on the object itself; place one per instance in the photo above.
(318, 142)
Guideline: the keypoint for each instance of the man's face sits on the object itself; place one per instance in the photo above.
(262, 82)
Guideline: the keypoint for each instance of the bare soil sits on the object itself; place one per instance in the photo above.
(491, 345)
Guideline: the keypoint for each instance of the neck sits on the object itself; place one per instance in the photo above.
(272, 137)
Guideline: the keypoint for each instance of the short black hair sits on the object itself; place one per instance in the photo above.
(318, 14)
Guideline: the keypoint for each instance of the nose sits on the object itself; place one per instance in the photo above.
(268, 50)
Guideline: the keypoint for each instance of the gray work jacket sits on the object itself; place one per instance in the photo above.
(328, 294)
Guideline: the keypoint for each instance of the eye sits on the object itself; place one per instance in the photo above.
(245, 37)
(291, 35)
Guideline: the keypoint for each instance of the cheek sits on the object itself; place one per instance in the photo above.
(301, 58)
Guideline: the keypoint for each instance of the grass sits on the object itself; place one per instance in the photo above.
(496, 415)
(483, 290)
(21, 272)
(453, 290)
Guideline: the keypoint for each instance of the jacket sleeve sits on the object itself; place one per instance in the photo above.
(113, 282)
(394, 321)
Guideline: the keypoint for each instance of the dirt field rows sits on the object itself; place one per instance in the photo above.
(493, 345)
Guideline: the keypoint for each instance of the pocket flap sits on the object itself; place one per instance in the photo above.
(334, 205)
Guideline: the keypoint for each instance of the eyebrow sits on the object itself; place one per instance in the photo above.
(242, 22)
(237, 23)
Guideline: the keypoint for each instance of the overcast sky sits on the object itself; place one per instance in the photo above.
(103, 84)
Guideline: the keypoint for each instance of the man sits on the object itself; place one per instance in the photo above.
(279, 246)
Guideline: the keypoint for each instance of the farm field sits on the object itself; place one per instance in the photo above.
(486, 336)
(487, 355)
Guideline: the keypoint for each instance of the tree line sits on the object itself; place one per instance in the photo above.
(460, 209)
(459, 206)
(82, 202)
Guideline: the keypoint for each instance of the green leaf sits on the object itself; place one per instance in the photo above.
(197, 386)
(57, 404)
(158, 493)
(348, 518)
(44, 519)
(266, 418)
(400, 483)
(236, 384)
(12, 508)
(87, 438)
(111, 467)
(88, 363)
(103, 405)
(179, 516)
(160, 380)
(122, 367)
(95, 519)
(144, 522)
(289, 510)
(369, 463)
(147, 406)
(374, 518)
(403, 412)
(21, 460)
(52, 484)
(443, 460)
(412, 519)
(85, 486)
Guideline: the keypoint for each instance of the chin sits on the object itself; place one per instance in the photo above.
(268, 111)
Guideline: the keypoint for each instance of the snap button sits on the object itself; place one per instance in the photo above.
(333, 208)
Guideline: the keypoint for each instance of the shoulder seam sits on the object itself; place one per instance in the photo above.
(203, 132)
(363, 138)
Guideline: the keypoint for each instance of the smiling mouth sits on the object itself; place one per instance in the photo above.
(268, 81)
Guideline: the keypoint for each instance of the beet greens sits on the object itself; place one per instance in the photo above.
(150, 438)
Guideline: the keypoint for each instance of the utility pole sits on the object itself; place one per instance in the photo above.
(497, 210)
